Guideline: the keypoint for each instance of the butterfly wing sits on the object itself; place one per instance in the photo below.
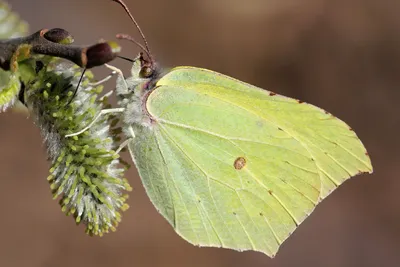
(231, 165)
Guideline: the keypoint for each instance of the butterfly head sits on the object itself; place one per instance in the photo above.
(144, 75)
(147, 68)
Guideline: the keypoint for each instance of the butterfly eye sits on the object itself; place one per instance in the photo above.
(146, 72)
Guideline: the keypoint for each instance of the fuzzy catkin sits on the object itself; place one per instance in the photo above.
(86, 172)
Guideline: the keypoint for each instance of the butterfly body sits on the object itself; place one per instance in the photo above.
(132, 93)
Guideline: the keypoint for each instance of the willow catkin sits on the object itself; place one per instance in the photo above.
(86, 172)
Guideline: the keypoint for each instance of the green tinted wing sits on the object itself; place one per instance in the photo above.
(338, 152)
(231, 165)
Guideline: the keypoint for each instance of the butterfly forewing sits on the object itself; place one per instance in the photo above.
(331, 143)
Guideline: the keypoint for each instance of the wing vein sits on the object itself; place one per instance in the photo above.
(165, 180)
(275, 196)
(265, 218)
(222, 136)
(349, 152)
(208, 179)
(258, 229)
(180, 195)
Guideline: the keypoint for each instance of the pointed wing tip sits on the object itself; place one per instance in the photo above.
(369, 169)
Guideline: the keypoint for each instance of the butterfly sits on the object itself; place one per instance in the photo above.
(226, 163)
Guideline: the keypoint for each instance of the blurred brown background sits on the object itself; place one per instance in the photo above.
(342, 55)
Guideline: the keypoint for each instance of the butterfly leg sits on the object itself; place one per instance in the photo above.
(106, 95)
(104, 79)
(121, 78)
(126, 142)
(115, 70)
(101, 113)
(123, 145)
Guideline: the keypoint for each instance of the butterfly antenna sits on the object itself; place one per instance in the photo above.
(130, 38)
(77, 87)
(126, 58)
(124, 36)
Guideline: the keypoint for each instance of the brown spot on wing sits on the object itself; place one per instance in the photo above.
(239, 163)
